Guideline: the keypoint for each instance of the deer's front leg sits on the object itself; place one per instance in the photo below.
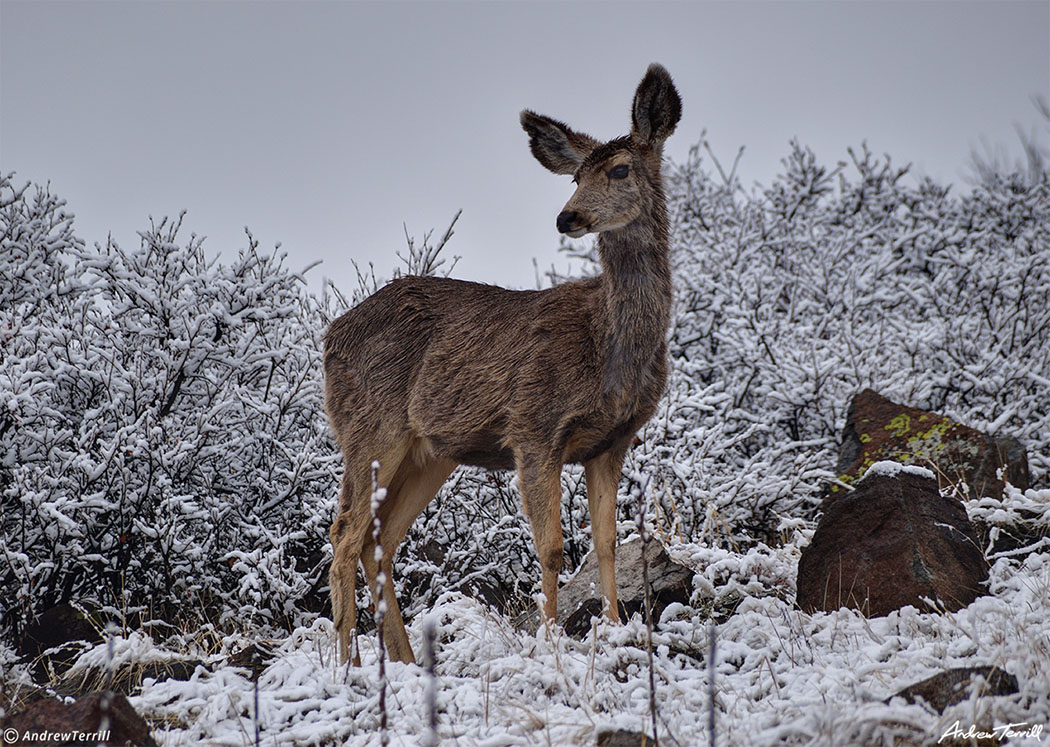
(603, 479)
(541, 496)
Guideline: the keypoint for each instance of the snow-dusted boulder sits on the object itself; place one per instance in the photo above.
(892, 542)
(965, 459)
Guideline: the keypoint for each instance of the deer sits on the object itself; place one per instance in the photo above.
(429, 372)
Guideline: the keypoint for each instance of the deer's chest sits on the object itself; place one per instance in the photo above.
(614, 422)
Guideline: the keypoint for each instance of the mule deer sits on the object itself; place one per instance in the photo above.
(430, 372)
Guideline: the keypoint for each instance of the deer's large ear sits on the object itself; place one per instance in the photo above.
(657, 107)
(554, 144)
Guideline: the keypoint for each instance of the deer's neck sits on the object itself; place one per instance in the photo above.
(636, 281)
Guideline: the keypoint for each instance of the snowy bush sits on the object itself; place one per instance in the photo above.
(793, 300)
(162, 450)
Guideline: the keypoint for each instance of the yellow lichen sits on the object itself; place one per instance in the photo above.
(899, 425)
(936, 431)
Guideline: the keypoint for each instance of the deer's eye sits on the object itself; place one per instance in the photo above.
(618, 172)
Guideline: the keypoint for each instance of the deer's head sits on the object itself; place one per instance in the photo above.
(615, 180)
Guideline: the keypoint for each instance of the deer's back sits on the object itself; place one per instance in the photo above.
(477, 370)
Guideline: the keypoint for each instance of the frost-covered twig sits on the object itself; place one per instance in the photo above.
(430, 739)
(378, 495)
(255, 709)
(648, 612)
(711, 684)
(426, 259)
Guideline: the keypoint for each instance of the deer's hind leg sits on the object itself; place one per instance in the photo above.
(351, 528)
(346, 534)
(417, 481)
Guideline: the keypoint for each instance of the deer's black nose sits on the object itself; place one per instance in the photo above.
(566, 219)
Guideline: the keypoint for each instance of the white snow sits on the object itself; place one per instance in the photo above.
(888, 468)
(780, 675)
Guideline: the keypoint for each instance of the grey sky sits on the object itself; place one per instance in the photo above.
(326, 126)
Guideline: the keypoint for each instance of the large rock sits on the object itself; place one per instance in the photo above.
(878, 429)
(580, 598)
(892, 541)
(109, 713)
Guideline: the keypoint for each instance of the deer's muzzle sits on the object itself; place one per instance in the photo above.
(569, 223)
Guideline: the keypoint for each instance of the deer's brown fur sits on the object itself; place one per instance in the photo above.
(431, 372)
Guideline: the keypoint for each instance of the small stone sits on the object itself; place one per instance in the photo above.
(580, 598)
(623, 738)
(955, 685)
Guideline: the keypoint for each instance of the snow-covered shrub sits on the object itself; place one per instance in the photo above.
(792, 300)
(161, 441)
(37, 236)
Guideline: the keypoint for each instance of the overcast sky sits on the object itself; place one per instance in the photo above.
(327, 126)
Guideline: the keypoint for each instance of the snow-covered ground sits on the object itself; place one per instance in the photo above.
(781, 676)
